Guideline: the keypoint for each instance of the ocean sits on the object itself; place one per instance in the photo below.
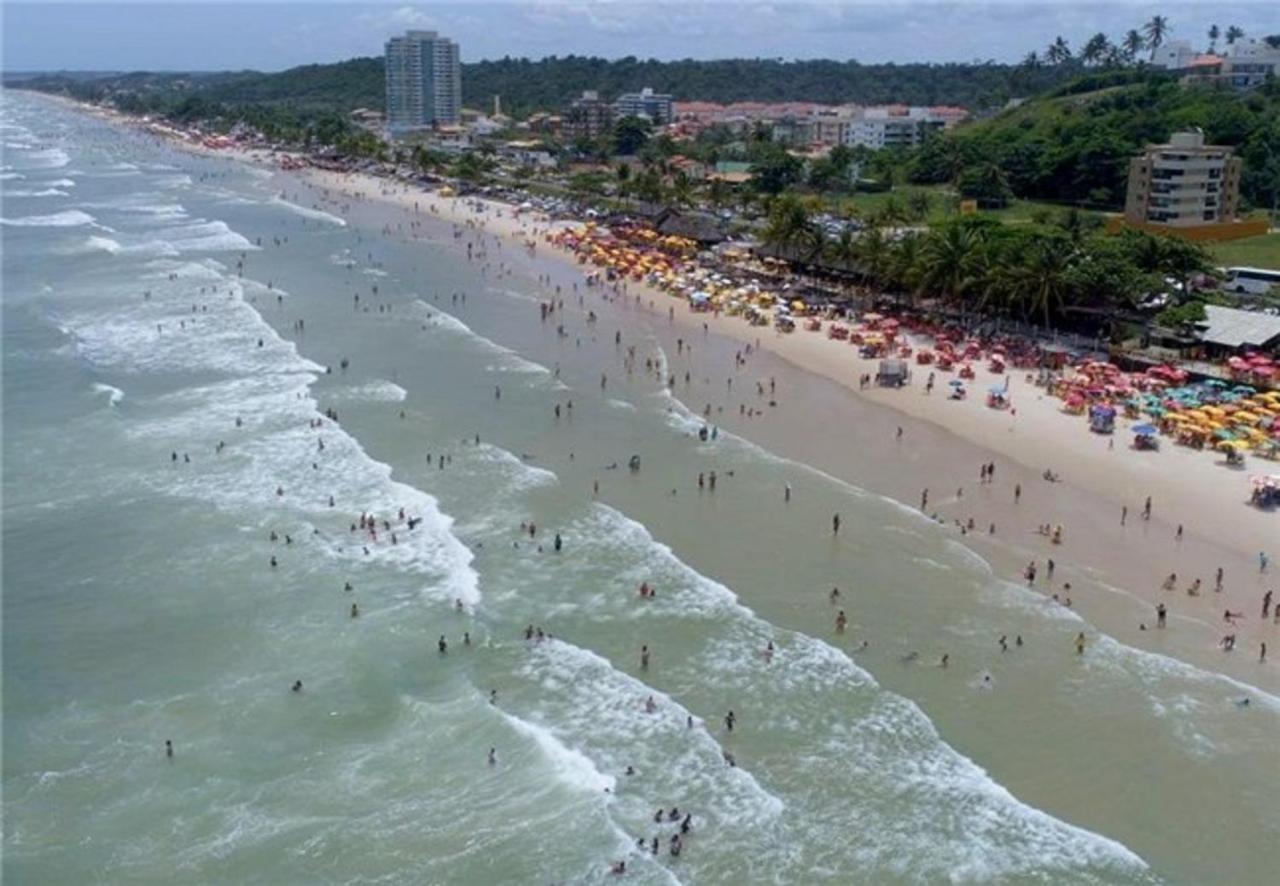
(182, 542)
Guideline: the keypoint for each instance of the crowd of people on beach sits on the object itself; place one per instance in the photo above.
(368, 529)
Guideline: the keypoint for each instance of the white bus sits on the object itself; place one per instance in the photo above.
(1254, 280)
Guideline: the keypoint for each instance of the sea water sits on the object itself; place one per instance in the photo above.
(160, 423)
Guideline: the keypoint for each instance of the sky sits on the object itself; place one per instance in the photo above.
(216, 35)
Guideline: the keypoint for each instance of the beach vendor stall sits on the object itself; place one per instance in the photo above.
(893, 373)
(1102, 418)
(1144, 437)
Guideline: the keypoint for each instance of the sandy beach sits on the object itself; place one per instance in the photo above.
(944, 442)
(947, 441)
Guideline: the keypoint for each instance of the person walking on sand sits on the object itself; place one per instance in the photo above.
(1146, 509)
(1124, 514)
(835, 525)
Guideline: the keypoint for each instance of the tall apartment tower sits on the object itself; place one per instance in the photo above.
(1183, 183)
(424, 82)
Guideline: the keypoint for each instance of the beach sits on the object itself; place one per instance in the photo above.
(1100, 476)
(303, 435)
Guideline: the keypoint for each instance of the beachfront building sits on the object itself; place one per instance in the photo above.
(1184, 183)
(1247, 64)
(645, 103)
(898, 126)
(424, 82)
(587, 116)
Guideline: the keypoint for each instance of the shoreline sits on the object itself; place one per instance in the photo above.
(1220, 530)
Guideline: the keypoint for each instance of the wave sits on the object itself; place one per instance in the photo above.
(267, 385)
(377, 391)
(317, 214)
(49, 158)
(511, 361)
(70, 218)
(47, 192)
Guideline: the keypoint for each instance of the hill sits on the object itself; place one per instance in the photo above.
(1074, 144)
(526, 85)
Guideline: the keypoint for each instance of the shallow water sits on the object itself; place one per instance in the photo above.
(140, 604)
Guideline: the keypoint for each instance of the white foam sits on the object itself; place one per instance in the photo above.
(70, 218)
(50, 158)
(379, 391)
(47, 192)
(511, 361)
(317, 214)
(202, 236)
(106, 244)
(571, 766)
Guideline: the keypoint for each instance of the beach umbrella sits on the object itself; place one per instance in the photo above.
(996, 389)
(1224, 434)
(956, 383)
(1144, 430)
(1216, 383)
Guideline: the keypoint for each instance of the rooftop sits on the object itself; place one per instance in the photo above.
(1232, 328)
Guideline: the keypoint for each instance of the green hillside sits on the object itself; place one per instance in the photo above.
(549, 83)
(1074, 144)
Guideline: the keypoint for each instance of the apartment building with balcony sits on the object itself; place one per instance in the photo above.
(1184, 183)
(423, 81)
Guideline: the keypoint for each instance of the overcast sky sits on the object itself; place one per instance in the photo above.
(214, 35)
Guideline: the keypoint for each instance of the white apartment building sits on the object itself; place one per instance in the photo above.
(424, 82)
(894, 126)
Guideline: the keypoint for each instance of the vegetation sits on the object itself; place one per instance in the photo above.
(1036, 272)
(1075, 147)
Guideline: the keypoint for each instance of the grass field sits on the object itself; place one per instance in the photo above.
(942, 202)
(1252, 252)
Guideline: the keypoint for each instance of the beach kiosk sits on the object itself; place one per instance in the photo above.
(1102, 418)
(893, 373)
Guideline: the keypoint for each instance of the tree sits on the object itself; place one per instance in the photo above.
(773, 170)
(682, 189)
(843, 252)
(1095, 50)
(790, 230)
(1031, 61)
(1040, 282)
(952, 259)
(1133, 43)
(1214, 34)
(630, 134)
(1058, 52)
(1155, 31)
(986, 183)
(1234, 33)
(919, 202)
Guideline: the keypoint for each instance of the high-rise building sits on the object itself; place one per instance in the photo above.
(1183, 183)
(645, 103)
(424, 82)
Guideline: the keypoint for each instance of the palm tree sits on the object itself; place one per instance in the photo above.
(1094, 51)
(951, 260)
(1058, 52)
(790, 229)
(1133, 43)
(1039, 280)
(1032, 60)
(1233, 34)
(843, 252)
(1214, 33)
(902, 263)
(682, 189)
(873, 253)
(1155, 31)
(919, 203)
